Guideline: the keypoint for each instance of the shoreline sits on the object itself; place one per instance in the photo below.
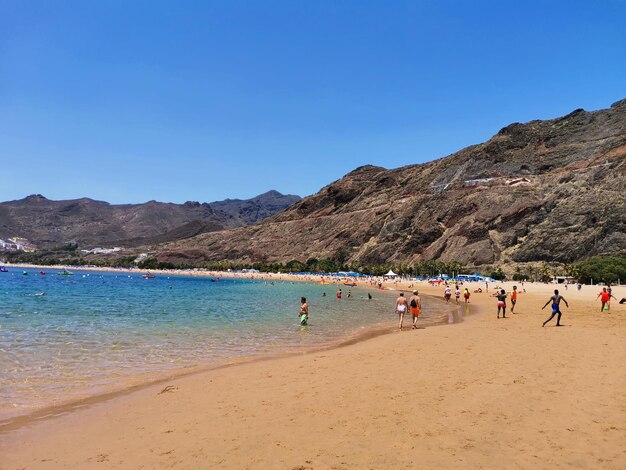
(17, 422)
(354, 336)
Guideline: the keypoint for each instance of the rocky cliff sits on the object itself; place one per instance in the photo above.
(548, 190)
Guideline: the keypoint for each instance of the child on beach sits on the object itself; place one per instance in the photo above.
(447, 293)
(457, 294)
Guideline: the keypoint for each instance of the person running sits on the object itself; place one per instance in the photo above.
(556, 307)
(447, 293)
(466, 295)
(501, 302)
(457, 294)
(513, 298)
(304, 311)
(415, 307)
(401, 306)
(605, 298)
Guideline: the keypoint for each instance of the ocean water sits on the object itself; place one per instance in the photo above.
(96, 332)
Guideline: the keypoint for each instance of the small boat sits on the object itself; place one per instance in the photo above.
(24, 273)
(3, 269)
(148, 276)
(65, 272)
(43, 273)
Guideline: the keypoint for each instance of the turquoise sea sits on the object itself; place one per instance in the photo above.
(96, 332)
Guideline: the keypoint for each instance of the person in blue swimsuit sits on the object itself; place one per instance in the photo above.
(556, 307)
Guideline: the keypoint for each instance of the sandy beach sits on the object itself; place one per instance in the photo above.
(482, 393)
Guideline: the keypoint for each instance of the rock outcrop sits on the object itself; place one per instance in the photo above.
(548, 190)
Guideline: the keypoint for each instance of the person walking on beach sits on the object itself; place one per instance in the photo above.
(447, 293)
(556, 307)
(513, 298)
(401, 307)
(466, 295)
(415, 307)
(457, 294)
(501, 302)
(605, 298)
(304, 311)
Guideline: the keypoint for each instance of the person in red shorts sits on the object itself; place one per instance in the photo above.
(415, 307)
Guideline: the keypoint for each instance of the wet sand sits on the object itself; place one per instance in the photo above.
(485, 392)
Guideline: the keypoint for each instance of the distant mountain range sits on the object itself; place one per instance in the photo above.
(548, 190)
(91, 223)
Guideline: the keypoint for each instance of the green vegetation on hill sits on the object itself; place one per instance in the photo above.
(601, 269)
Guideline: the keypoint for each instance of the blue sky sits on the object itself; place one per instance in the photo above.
(128, 101)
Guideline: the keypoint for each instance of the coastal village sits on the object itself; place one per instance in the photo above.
(17, 244)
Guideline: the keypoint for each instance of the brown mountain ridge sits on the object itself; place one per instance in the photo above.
(550, 190)
(91, 223)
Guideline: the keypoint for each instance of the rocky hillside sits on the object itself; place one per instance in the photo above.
(93, 223)
(545, 190)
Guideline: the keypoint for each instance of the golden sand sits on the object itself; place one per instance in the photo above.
(484, 393)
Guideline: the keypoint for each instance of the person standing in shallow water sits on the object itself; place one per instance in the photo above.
(304, 311)
(401, 307)
(556, 307)
(501, 302)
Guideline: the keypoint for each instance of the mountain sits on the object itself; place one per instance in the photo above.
(251, 211)
(549, 190)
(93, 223)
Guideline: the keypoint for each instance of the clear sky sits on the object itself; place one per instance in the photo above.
(128, 101)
